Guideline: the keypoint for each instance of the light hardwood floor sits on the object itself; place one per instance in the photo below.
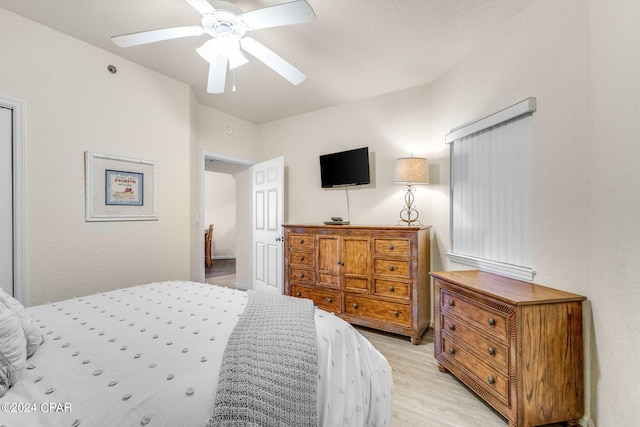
(423, 396)
(228, 281)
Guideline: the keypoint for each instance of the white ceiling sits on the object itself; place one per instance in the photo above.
(354, 50)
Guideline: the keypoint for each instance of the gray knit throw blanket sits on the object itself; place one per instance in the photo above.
(269, 373)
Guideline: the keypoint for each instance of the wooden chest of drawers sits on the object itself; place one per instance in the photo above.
(370, 276)
(516, 344)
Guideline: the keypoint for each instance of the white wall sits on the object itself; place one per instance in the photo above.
(614, 219)
(391, 126)
(74, 104)
(220, 210)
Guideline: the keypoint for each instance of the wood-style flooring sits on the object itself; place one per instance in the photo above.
(425, 397)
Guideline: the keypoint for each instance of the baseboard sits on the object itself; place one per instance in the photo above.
(587, 422)
(243, 287)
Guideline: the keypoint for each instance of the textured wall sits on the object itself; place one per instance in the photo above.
(74, 104)
(614, 91)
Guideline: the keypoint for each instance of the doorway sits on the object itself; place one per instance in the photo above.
(226, 204)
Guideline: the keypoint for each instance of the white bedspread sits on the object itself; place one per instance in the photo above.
(151, 354)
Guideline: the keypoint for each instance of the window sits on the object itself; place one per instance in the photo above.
(491, 192)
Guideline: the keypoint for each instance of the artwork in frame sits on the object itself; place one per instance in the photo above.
(120, 188)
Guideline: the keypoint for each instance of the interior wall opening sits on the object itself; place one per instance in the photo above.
(226, 207)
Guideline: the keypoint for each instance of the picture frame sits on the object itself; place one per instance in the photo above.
(120, 188)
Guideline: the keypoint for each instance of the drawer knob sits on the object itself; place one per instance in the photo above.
(391, 247)
(391, 289)
(391, 268)
(301, 258)
(330, 300)
(452, 327)
(491, 380)
(491, 322)
(491, 351)
(301, 241)
(298, 294)
(301, 275)
(452, 351)
(396, 313)
(451, 303)
(355, 305)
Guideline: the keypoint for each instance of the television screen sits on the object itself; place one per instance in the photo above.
(345, 168)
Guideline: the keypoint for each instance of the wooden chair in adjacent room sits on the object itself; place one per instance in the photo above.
(208, 234)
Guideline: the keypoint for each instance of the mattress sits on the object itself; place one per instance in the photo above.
(151, 355)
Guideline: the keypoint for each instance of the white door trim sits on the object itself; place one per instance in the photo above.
(18, 108)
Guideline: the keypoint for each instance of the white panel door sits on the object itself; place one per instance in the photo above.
(268, 212)
(6, 200)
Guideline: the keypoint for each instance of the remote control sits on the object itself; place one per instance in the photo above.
(336, 218)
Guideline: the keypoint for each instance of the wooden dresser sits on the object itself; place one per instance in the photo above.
(370, 276)
(516, 344)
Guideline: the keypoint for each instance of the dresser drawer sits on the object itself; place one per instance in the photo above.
(324, 299)
(391, 247)
(303, 259)
(393, 289)
(487, 377)
(300, 276)
(488, 321)
(396, 313)
(301, 242)
(492, 351)
(392, 267)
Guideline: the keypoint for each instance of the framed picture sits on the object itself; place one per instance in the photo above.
(120, 188)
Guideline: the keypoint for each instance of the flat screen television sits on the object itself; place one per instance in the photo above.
(345, 168)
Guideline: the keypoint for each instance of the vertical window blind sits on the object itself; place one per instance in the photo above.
(491, 192)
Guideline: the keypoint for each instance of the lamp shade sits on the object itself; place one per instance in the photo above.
(412, 170)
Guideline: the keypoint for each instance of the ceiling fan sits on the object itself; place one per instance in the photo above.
(227, 25)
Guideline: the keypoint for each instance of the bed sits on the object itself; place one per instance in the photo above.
(159, 355)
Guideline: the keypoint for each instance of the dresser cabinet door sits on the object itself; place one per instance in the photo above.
(328, 248)
(354, 263)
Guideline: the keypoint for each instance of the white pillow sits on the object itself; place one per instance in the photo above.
(31, 330)
(13, 348)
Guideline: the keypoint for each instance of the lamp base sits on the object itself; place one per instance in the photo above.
(408, 215)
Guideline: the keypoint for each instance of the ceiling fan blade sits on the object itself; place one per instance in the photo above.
(273, 60)
(135, 39)
(295, 12)
(217, 75)
(202, 6)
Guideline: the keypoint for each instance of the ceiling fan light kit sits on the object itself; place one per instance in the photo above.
(227, 25)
